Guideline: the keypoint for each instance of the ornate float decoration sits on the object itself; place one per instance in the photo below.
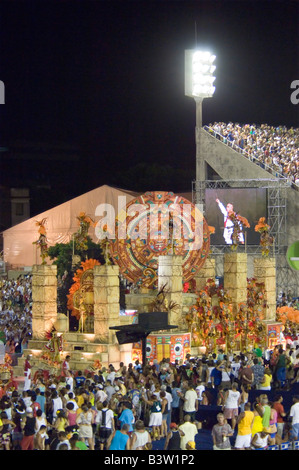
(211, 319)
(250, 328)
(81, 236)
(212, 322)
(239, 223)
(6, 369)
(51, 355)
(42, 242)
(266, 241)
(154, 224)
(80, 297)
(105, 244)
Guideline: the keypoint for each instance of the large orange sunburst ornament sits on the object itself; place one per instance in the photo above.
(159, 223)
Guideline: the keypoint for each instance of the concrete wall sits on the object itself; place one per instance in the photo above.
(229, 163)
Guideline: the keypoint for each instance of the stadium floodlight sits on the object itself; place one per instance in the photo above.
(199, 84)
(199, 78)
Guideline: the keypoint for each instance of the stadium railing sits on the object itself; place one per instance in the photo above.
(250, 157)
(290, 445)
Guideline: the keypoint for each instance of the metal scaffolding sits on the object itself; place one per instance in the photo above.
(286, 278)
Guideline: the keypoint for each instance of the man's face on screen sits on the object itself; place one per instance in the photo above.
(230, 208)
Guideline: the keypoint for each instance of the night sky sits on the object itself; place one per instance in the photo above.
(108, 78)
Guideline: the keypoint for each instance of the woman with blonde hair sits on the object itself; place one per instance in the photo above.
(84, 421)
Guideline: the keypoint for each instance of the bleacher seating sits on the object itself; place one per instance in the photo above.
(273, 148)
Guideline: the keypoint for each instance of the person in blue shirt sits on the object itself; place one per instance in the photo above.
(126, 416)
(216, 375)
(119, 439)
(80, 379)
(41, 399)
(138, 366)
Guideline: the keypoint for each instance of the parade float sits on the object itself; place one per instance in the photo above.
(238, 316)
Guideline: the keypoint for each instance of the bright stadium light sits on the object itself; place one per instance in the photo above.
(199, 84)
(199, 78)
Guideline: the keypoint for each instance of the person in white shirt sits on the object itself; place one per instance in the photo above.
(228, 223)
(169, 399)
(109, 389)
(231, 405)
(190, 405)
(235, 367)
(260, 440)
(70, 398)
(189, 431)
(140, 438)
(27, 398)
(199, 389)
(105, 424)
(56, 404)
(27, 373)
(100, 395)
(64, 443)
(294, 414)
(111, 375)
(70, 381)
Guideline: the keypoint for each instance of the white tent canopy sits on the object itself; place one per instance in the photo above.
(61, 223)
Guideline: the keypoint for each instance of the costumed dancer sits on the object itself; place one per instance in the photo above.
(27, 374)
(66, 367)
(54, 345)
(228, 223)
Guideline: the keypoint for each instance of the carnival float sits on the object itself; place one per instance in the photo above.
(173, 273)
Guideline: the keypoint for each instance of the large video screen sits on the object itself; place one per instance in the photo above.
(250, 203)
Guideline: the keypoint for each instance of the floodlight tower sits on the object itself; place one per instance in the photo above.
(199, 84)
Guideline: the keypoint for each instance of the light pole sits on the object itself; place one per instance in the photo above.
(199, 84)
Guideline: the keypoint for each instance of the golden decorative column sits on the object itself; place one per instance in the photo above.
(44, 298)
(235, 277)
(265, 271)
(106, 302)
(170, 274)
(205, 273)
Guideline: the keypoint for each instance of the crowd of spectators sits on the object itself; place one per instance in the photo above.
(161, 404)
(286, 299)
(274, 148)
(16, 314)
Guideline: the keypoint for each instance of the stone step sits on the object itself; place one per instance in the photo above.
(82, 348)
(76, 357)
(75, 365)
(71, 347)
